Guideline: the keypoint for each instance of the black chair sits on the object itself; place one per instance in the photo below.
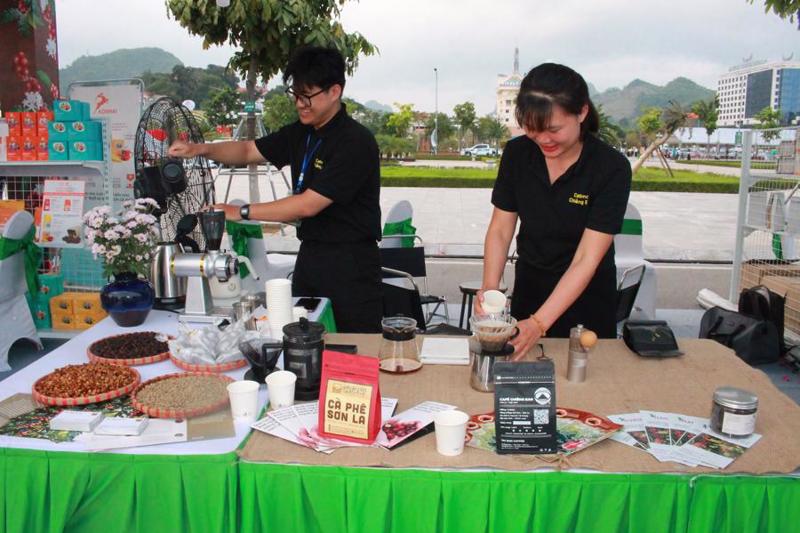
(403, 301)
(409, 264)
(627, 289)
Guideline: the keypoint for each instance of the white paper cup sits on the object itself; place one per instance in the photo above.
(494, 301)
(244, 399)
(280, 386)
(451, 428)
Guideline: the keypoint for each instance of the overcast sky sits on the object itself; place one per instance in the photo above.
(610, 42)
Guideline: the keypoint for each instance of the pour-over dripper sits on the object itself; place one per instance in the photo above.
(493, 330)
(212, 223)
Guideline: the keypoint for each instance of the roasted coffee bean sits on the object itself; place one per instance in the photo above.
(129, 346)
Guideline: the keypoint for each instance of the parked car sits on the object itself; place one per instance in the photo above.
(479, 150)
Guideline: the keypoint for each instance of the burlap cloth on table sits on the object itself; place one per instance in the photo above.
(618, 382)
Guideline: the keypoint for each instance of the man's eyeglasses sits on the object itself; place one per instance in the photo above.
(303, 98)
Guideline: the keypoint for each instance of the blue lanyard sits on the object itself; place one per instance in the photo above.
(306, 160)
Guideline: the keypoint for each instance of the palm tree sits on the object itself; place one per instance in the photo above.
(706, 111)
(608, 131)
(672, 118)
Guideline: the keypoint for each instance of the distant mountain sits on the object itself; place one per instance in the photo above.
(629, 102)
(119, 64)
(377, 106)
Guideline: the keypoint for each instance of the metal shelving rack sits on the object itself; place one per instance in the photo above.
(21, 178)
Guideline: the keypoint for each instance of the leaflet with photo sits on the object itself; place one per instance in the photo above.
(715, 450)
(403, 426)
(657, 429)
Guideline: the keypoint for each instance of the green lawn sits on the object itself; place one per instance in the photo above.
(733, 164)
(647, 179)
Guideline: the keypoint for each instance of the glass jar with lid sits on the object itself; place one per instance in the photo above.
(733, 412)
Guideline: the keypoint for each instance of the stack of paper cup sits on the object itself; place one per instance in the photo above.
(279, 305)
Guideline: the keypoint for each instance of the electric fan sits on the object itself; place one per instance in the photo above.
(180, 186)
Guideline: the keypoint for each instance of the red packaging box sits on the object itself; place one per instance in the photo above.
(14, 146)
(28, 123)
(28, 149)
(42, 119)
(13, 119)
(42, 154)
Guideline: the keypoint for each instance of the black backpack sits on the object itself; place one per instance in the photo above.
(760, 302)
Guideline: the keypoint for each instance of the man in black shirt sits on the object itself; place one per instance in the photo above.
(336, 189)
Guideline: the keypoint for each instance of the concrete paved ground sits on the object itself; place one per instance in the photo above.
(677, 226)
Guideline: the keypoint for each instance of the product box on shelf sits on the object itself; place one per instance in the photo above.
(58, 130)
(39, 305)
(42, 153)
(88, 302)
(13, 119)
(43, 118)
(14, 148)
(68, 110)
(57, 150)
(27, 123)
(51, 284)
(62, 320)
(64, 303)
(85, 151)
(28, 151)
(85, 130)
(88, 319)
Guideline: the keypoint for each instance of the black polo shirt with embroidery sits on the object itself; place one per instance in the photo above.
(344, 168)
(592, 193)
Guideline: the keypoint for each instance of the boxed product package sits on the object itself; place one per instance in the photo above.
(13, 119)
(68, 110)
(28, 123)
(51, 284)
(62, 319)
(64, 303)
(14, 148)
(28, 151)
(85, 150)
(85, 130)
(57, 150)
(88, 302)
(42, 152)
(58, 131)
(39, 305)
(43, 118)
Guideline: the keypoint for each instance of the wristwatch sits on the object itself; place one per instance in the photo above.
(244, 212)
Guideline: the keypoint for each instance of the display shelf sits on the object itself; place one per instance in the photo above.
(66, 169)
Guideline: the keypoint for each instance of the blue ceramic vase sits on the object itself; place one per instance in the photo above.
(128, 299)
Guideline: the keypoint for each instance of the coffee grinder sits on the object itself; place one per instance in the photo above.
(199, 267)
(488, 344)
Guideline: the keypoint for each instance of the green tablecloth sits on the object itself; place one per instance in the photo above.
(354, 500)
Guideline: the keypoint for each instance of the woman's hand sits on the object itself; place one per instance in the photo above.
(529, 335)
(477, 308)
(232, 212)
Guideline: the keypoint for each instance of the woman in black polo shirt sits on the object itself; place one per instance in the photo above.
(569, 191)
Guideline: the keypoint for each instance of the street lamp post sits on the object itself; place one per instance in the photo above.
(436, 110)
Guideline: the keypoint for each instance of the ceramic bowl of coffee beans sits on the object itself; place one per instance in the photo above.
(182, 395)
(84, 384)
(138, 348)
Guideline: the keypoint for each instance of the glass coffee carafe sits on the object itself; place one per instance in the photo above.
(399, 353)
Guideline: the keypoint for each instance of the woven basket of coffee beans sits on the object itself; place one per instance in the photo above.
(84, 384)
(138, 348)
(182, 395)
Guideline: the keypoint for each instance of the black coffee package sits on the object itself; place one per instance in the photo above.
(525, 407)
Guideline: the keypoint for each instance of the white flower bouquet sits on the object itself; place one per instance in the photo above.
(125, 241)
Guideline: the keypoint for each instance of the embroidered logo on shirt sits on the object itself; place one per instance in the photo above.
(318, 163)
(579, 199)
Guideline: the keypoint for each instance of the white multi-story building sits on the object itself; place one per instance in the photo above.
(748, 88)
(507, 90)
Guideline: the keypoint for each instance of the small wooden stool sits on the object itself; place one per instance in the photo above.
(468, 291)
